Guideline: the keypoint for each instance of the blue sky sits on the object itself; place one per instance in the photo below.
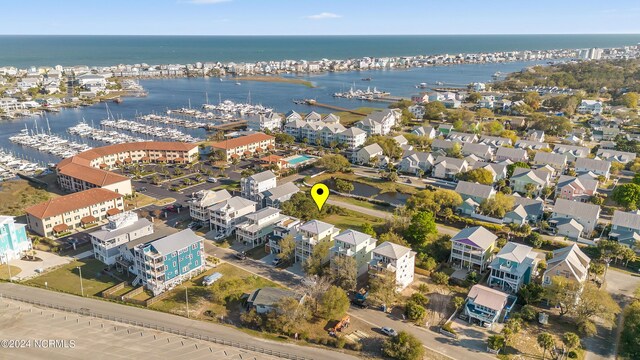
(317, 17)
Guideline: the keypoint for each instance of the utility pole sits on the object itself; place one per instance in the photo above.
(81, 287)
(6, 255)
(186, 296)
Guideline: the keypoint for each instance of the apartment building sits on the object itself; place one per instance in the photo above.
(121, 229)
(244, 146)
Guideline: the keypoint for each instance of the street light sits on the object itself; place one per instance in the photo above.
(81, 287)
(186, 296)
(6, 255)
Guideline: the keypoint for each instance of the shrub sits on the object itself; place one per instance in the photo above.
(528, 313)
(340, 342)
(572, 354)
(440, 278)
(587, 328)
(447, 327)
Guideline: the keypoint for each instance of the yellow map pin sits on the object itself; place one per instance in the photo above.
(320, 194)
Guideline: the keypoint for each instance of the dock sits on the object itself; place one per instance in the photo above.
(226, 126)
(336, 108)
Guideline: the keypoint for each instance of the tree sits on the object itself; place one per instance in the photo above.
(287, 247)
(422, 224)
(344, 186)
(367, 228)
(595, 302)
(511, 328)
(535, 239)
(484, 113)
(529, 189)
(404, 346)
(440, 278)
(334, 163)
(302, 206)
(382, 288)
(532, 98)
(630, 100)
(571, 340)
(434, 201)
(434, 110)
(518, 164)
(531, 293)
(455, 151)
(496, 342)
(315, 263)
(415, 311)
(291, 315)
(562, 292)
(282, 138)
(458, 302)
(545, 341)
(334, 303)
(480, 175)
(497, 206)
(627, 195)
(629, 344)
(389, 145)
(474, 97)
(344, 272)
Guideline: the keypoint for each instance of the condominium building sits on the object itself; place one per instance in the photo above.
(73, 211)
(165, 263)
(121, 229)
(354, 244)
(225, 215)
(203, 200)
(252, 186)
(13, 239)
(396, 259)
(245, 146)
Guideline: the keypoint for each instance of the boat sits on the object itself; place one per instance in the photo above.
(366, 79)
(439, 83)
(421, 85)
(237, 83)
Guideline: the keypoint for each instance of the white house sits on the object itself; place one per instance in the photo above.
(252, 186)
(225, 215)
(354, 244)
(394, 258)
(593, 107)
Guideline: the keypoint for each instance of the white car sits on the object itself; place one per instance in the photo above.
(220, 236)
(212, 180)
(389, 331)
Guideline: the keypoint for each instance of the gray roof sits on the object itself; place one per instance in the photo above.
(626, 219)
(279, 191)
(372, 149)
(353, 131)
(315, 226)
(495, 140)
(577, 260)
(576, 209)
(607, 153)
(450, 162)
(105, 235)
(478, 235)
(474, 189)
(269, 296)
(352, 237)
(235, 202)
(443, 144)
(539, 176)
(263, 213)
(488, 297)
(515, 252)
(422, 130)
(525, 144)
(177, 241)
(511, 153)
(533, 207)
(158, 232)
(593, 164)
(578, 151)
(550, 158)
(263, 176)
(391, 250)
(476, 149)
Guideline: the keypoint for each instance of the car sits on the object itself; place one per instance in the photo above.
(360, 304)
(39, 270)
(170, 208)
(240, 255)
(212, 180)
(193, 225)
(277, 261)
(388, 331)
(219, 237)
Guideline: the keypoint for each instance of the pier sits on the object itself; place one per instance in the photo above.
(226, 126)
(332, 107)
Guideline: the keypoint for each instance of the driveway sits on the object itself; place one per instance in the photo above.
(28, 268)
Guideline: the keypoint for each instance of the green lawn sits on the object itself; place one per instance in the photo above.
(4, 271)
(385, 186)
(362, 203)
(353, 220)
(66, 278)
(347, 118)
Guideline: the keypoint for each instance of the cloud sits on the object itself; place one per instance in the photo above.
(203, 2)
(324, 15)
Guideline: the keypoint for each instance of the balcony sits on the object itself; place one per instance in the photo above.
(345, 251)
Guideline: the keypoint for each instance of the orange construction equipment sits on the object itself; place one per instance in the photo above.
(342, 324)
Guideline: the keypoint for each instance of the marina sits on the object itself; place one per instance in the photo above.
(110, 137)
(167, 120)
(228, 107)
(362, 94)
(11, 165)
(49, 143)
(155, 131)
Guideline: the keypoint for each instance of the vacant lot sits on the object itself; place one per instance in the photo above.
(16, 195)
(67, 279)
(347, 118)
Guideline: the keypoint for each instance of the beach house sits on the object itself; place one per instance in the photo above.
(356, 245)
(472, 248)
(514, 266)
(397, 259)
(14, 242)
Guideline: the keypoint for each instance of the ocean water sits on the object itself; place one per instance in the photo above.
(24, 51)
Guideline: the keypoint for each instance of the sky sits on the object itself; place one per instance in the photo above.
(317, 17)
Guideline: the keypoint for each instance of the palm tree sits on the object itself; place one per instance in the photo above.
(545, 340)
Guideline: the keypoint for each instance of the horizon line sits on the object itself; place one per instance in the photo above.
(334, 35)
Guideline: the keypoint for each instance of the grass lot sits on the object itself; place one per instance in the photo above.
(223, 298)
(4, 271)
(66, 279)
(141, 200)
(347, 118)
(385, 186)
(257, 252)
(353, 220)
(362, 203)
(16, 195)
(165, 201)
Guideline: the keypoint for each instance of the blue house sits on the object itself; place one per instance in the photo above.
(13, 239)
(486, 306)
(512, 267)
(165, 263)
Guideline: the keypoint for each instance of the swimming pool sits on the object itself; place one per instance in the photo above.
(297, 159)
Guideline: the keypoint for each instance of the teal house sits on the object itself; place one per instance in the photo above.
(513, 267)
(13, 239)
(165, 263)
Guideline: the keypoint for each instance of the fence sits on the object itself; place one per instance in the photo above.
(128, 297)
(192, 335)
(155, 299)
(108, 294)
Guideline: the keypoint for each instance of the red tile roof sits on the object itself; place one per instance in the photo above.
(79, 200)
(242, 141)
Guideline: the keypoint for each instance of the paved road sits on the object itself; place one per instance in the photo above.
(443, 230)
(164, 320)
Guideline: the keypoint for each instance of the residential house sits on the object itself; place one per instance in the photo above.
(522, 177)
(462, 137)
(73, 211)
(495, 141)
(202, 200)
(482, 151)
(569, 262)
(416, 162)
(311, 234)
(110, 241)
(556, 161)
(615, 156)
(566, 214)
(354, 244)
(511, 154)
(287, 226)
(473, 194)
(163, 264)
(594, 166)
(625, 228)
(535, 135)
(447, 168)
(364, 155)
(531, 145)
(514, 266)
(445, 129)
(427, 131)
(444, 145)
(573, 152)
(498, 171)
(525, 211)
(593, 107)
(274, 197)
(486, 306)
(472, 248)
(265, 300)
(252, 186)
(225, 215)
(14, 242)
(576, 188)
(394, 258)
(258, 226)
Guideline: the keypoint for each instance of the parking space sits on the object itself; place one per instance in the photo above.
(33, 268)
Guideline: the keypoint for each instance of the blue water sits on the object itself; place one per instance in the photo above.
(27, 50)
(298, 159)
(176, 93)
